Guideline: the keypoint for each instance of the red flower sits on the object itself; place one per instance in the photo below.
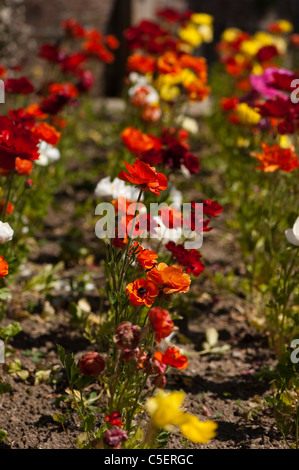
(229, 104)
(211, 208)
(47, 133)
(91, 364)
(274, 157)
(73, 28)
(267, 53)
(138, 142)
(172, 357)
(161, 322)
(114, 419)
(142, 292)
(144, 176)
(23, 167)
(15, 141)
(20, 85)
(190, 259)
(3, 267)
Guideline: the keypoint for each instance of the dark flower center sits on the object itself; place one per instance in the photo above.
(142, 291)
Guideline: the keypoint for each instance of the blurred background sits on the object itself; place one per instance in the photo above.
(33, 22)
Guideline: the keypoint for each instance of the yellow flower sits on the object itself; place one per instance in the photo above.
(257, 69)
(187, 77)
(285, 26)
(202, 19)
(284, 141)
(206, 32)
(198, 431)
(230, 34)
(247, 115)
(169, 93)
(165, 411)
(250, 47)
(191, 35)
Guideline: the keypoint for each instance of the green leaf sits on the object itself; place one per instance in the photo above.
(4, 388)
(10, 330)
(89, 422)
(60, 418)
(3, 435)
(61, 354)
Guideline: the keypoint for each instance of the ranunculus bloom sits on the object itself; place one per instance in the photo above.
(23, 167)
(142, 292)
(6, 232)
(189, 259)
(140, 63)
(145, 257)
(127, 336)
(172, 357)
(15, 141)
(211, 208)
(3, 267)
(114, 419)
(292, 234)
(91, 364)
(274, 157)
(161, 322)
(171, 279)
(20, 85)
(47, 133)
(138, 142)
(144, 176)
(9, 207)
(115, 437)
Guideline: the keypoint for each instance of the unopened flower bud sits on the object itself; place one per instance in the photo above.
(28, 184)
(127, 336)
(91, 364)
(159, 381)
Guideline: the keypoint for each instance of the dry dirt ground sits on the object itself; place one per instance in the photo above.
(227, 387)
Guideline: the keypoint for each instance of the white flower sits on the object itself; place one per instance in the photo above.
(175, 195)
(137, 78)
(47, 154)
(116, 188)
(151, 96)
(292, 234)
(188, 123)
(166, 234)
(6, 232)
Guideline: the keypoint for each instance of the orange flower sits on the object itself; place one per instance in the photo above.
(34, 110)
(151, 113)
(138, 142)
(198, 64)
(140, 63)
(66, 88)
(9, 209)
(172, 357)
(169, 63)
(142, 292)
(161, 322)
(145, 257)
(144, 176)
(3, 267)
(172, 279)
(47, 133)
(274, 157)
(197, 90)
(23, 167)
(112, 41)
